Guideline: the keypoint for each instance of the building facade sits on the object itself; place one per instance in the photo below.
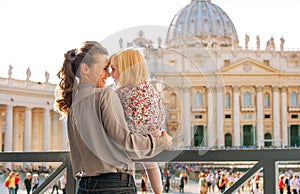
(218, 93)
(28, 122)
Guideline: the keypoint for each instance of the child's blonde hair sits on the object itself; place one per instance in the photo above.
(132, 67)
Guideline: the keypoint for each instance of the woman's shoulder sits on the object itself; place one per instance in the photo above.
(105, 91)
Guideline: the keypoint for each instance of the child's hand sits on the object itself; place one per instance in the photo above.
(169, 139)
(156, 133)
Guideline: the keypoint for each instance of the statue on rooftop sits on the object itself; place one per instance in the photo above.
(282, 43)
(47, 75)
(272, 44)
(257, 42)
(246, 40)
(10, 71)
(121, 43)
(28, 74)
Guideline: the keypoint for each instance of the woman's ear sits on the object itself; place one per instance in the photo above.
(84, 68)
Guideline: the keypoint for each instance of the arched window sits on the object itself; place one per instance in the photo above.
(198, 100)
(267, 100)
(247, 99)
(228, 140)
(268, 136)
(227, 100)
(294, 99)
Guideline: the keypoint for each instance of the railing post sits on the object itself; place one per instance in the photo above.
(270, 177)
(71, 182)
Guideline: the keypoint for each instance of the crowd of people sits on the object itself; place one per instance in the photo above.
(289, 183)
(31, 182)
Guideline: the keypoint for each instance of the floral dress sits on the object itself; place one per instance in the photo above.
(143, 108)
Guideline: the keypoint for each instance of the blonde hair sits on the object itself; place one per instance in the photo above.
(132, 67)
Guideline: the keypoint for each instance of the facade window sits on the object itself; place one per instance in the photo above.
(294, 99)
(198, 116)
(295, 135)
(198, 100)
(226, 62)
(294, 116)
(248, 136)
(266, 62)
(198, 135)
(267, 101)
(268, 138)
(267, 116)
(227, 116)
(247, 99)
(227, 101)
(171, 61)
(228, 140)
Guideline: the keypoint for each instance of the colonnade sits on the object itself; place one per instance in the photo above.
(32, 129)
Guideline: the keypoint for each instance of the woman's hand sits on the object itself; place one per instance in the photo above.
(168, 137)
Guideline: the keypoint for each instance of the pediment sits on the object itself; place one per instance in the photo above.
(249, 66)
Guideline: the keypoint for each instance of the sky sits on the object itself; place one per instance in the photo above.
(37, 33)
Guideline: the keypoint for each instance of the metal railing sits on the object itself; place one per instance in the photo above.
(266, 160)
(62, 157)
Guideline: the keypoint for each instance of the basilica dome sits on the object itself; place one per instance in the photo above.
(202, 23)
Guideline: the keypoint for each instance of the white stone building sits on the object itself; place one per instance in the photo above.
(28, 122)
(218, 93)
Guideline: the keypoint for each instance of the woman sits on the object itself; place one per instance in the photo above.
(101, 145)
(203, 186)
(222, 182)
(11, 183)
(281, 184)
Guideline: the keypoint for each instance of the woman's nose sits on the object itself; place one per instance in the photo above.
(107, 73)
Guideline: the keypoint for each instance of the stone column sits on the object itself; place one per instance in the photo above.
(211, 134)
(236, 117)
(284, 125)
(54, 132)
(259, 116)
(46, 130)
(35, 130)
(220, 116)
(46, 133)
(27, 130)
(186, 117)
(276, 118)
(9, 129)
(16, 129)
(27, 133)
(1, 123)
(8, 133)
(64, 135)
